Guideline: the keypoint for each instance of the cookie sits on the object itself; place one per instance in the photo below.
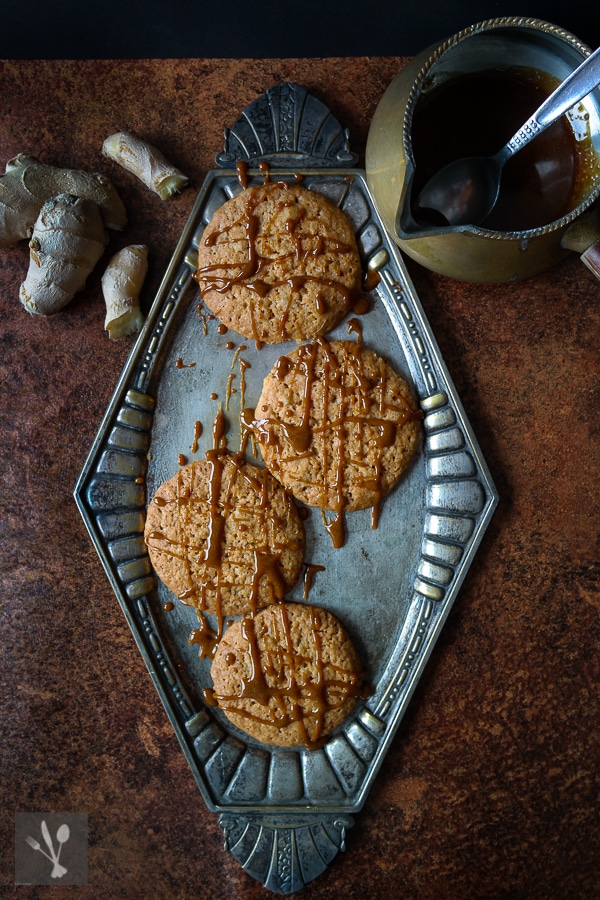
(336, 425)
(224, 536)
(279, 262)
(288, 675)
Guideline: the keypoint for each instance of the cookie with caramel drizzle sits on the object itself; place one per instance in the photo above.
(224, 536)
(287, 675)
(279, 262)
(337, 426)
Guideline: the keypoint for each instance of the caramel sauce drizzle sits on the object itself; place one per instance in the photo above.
(228, 389)
(252, 568)
(326, 415)
(261, 252)
(244, 432)
(239, 350)
(202, 317)
(281, 693)
(276, 677)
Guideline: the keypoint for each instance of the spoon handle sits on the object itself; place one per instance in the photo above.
(575, 87)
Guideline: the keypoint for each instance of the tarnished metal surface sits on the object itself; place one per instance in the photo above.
(285, 813)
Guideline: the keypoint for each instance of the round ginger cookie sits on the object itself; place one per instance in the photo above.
(288, 675)
(336, 425)
(224, 536)
(279, 262)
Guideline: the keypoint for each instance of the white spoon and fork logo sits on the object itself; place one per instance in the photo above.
(62, 836)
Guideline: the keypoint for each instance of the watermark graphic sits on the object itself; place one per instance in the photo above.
(50, 848)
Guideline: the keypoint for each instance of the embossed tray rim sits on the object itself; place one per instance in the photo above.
(132, 369)
(287, 831)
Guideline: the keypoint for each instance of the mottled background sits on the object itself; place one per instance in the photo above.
(490, 788)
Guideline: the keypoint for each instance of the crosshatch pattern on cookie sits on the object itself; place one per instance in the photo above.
(224, 536)
(279, 262)
(288, 675)
(336, 425)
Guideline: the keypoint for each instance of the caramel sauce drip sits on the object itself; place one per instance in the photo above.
(208, 696)
(282, 368)
(324, 418)
(267, 564)
(310, 570)
(354, 327)
(179, 364)
(371, 279)
(362, 305)
(246, 425)
(206, 639)
(197, 433)
(335, 528)
(280, 691)
(241, 169)
(222, 277)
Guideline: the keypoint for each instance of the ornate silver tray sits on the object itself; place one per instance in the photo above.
(285, 812)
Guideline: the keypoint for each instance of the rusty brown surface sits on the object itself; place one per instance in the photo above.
(490, 788)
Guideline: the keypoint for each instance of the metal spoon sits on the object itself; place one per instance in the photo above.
(465, 191)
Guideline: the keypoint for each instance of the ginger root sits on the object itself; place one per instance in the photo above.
(121, 285)
(28, 183)
(144, 161)
(68, 240)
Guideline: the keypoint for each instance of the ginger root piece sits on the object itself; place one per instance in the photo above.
(68, 240)
(144, 161)
(121, 285)
(28, 183)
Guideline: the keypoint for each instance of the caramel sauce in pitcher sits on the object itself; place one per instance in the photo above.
(475, 115)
